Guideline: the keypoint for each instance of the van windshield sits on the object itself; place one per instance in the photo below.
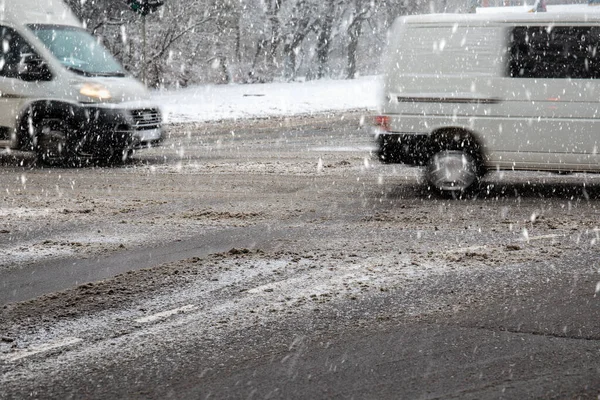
(77, 50)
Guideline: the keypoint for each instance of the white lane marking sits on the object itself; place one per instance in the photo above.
(343, 149)
(473, 248)
(483, 247)
(268, 286)
(542, 237)
(19, 354)
(166, 314)
(465, 249)
(295, 284)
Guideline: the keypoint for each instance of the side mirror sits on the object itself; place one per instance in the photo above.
(33, 68)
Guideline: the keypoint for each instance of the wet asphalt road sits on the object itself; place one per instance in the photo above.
(497, 327)
(525, 337)
(50, 276)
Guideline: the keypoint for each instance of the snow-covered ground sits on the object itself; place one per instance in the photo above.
(221, 102)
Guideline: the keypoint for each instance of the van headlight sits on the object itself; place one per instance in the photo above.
(95, 91)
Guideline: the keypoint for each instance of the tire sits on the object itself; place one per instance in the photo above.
(52, 145)
(120, 157)
(455, 168)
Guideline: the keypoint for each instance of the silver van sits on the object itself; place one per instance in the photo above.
(62, 94)
(464, 94)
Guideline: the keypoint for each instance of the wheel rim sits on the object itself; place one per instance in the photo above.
(452, 171)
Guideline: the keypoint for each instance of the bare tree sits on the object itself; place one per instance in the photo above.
(195, 41)
(325, 37)
(301, 23)
(358, 13)
(275, 39)
(226, 45)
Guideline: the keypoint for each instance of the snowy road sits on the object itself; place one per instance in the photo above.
(276, 258)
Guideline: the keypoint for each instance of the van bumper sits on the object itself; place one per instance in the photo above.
(404, 148)
(105, 129)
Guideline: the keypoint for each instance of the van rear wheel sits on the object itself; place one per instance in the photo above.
(453, 172)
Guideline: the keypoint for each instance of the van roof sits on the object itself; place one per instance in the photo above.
(37, 12)
(588, 16)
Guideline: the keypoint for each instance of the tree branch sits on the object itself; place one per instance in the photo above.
(174, 38)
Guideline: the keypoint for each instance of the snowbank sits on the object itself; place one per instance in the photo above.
(221, 102)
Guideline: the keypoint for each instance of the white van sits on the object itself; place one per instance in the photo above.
(62, 94)
(464, 94)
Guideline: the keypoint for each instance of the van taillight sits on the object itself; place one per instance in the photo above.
(383, 122)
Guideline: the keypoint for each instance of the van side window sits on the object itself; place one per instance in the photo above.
(12, 49)
(554, 52)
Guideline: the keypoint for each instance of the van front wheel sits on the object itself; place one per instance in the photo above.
(52, 143)
(454, 172)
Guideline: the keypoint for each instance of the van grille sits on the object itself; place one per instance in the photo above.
(146, 118)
